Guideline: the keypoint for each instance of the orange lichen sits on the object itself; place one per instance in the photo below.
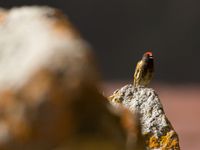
(153, 142)
(2, 15)
(164, 142)
(168, 142)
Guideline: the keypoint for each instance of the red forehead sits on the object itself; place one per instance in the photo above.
(149, 53)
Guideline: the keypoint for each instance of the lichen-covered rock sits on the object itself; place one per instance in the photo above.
(156, 129)
(48, 87)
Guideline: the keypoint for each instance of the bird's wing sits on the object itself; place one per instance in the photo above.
(138, 72)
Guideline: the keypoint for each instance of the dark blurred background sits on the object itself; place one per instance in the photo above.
(120, 31)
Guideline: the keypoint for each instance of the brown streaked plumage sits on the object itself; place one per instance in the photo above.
(144, 70)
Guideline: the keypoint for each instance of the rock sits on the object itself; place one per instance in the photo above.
(132, 126)
(43, 64)
(49, 96)
(156, 128)
(46, 69)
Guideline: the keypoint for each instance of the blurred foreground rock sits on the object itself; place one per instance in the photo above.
(49, 96)
(156, 129)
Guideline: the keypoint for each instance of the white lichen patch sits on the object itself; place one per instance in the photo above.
(28, 43)
(146, 103)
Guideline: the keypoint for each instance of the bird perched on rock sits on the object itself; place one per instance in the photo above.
(144, 70)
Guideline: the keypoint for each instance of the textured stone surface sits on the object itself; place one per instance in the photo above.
(49, 98)
(157, 130)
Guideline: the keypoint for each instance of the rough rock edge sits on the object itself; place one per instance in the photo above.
(156, 128)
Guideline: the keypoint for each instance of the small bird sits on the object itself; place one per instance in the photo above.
(144, 70)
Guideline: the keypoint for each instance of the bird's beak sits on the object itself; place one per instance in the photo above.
(151, 57)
